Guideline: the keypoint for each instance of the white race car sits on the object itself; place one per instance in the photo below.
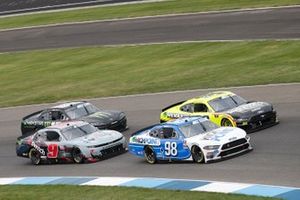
(75, 141)
(193, 138)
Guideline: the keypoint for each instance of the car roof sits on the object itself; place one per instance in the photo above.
(68, 104)
(211, 96)
(184, 120)
(63, 125)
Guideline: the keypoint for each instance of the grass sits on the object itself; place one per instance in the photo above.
(158, 8)
(108, 193)
(65, 74)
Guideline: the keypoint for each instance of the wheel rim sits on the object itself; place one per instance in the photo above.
(77, 156)
(34, 156)
(150, 156)
(197, 154)
(227, 123)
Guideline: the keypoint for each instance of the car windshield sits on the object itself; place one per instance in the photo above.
(73, 132)
(91, 108)
(81, 110)
(196, 127)
(226, 103)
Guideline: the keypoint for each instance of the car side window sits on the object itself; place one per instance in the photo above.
(53, 136)
(200, 107)
(155, 132)
(40, 136)
(45, 116)
(57, 115)
(169, 133)
(187, 108)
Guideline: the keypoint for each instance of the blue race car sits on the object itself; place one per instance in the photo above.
(192, 138)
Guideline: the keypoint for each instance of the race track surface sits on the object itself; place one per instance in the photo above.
(277, 23)
(275, 159)
(22, 6)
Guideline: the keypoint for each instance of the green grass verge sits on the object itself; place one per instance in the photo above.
(167, 7)
(65, 74)
(107, 193)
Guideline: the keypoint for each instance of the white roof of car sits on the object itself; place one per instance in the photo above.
(63, 125)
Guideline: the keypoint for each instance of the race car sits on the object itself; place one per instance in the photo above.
(225, 108)
(75, 141)
(84, 111)
(191, 138)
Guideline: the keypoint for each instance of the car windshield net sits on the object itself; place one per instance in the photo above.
(226, 103)
(196, 127)
(78, 131)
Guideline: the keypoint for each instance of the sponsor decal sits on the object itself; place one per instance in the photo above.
(216, 136)
(34, 145)
(38, 123)
(143, 140)
(175, 115)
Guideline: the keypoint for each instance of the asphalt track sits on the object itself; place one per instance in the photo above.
(279, 23)
(275, 159)
(8, 7)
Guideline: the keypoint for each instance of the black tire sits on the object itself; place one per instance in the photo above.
(226, 122)
(77, 155)
(150, 155)
(197, 154)
(35, 156)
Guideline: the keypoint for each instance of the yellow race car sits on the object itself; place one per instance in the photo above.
(224, 108)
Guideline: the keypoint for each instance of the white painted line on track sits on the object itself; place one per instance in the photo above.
(200, 41)
(224, 187)
(153, 16)
(157, 93)
(108, 181)
(5, 181)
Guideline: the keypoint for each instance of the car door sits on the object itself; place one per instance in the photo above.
(44, 119)
(172, 145)
(52, 141)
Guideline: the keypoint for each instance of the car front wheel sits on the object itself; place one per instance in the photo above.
(197, 154)
(226, 122)
(77, 155)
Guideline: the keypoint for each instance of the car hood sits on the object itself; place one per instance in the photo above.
(250, 109)
(219, 136)
(97, 138)
(102, 117)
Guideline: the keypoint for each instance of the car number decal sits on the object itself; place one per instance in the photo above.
(170, 148)
(52, 151)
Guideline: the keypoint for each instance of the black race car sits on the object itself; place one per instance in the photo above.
(85, 111)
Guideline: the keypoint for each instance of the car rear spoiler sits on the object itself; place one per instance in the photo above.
(175, 104)
(24, 136)
(28, 116)
(144, 129)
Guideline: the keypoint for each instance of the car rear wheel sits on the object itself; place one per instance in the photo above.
(35, 156)
(150, 155)
(226, 122)
(77, 155)
(197, 154)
